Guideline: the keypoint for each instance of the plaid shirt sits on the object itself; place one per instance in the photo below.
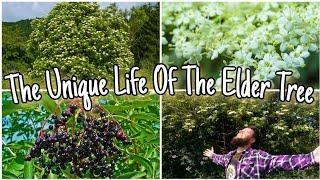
(255, 163)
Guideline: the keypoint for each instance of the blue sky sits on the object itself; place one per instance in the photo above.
(15, 11)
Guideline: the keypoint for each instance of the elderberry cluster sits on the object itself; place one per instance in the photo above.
(84, 147)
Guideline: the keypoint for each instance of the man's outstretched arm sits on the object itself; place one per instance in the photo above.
(219, 159)
(291, 162)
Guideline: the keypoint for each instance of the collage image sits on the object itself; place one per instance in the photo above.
(153, 136)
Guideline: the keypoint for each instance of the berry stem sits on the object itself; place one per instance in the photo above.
(41, 130)
(11, 152)
(37, 167)
(57, 106)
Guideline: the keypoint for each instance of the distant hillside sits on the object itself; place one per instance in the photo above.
(24, 26)
(14, 46)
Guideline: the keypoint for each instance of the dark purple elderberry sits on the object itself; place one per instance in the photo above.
(97, 139)
(55, 171)
(62, 166)
(88, 129)
(57, 121)
(97, 123)
(52, 139)
(127, 142)
(66, 113)
(102, 114)
(112, 122)
(79, 119)
(64, 119)
(72, 108)
(27, 157)
(106, 125)
(89, 148)
(38, 141)
(120, 136)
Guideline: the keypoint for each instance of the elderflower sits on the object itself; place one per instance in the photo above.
(266, 38)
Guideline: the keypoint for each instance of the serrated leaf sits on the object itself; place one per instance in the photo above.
(52, 176)
(146, 116)
(145, 163)
(67, 173)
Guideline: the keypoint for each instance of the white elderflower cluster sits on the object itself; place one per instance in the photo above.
(264, 37)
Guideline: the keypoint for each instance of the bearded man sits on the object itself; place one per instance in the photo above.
(246, 162)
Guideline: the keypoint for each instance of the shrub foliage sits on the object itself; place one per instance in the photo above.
(193, 124)
(80, 39)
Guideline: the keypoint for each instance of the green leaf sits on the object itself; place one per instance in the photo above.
(5, 175)
(52, 176)
(7, 159)
(114, 108)
(146, 116)
(142, 103)
(145, 163)
(14, 172)
(8, 107)
(145, 129)
(49, 104)
(28, 170)
(131, 175)
(67, 173)
(154, 141)
(17, 166)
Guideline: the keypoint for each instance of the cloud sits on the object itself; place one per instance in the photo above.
(123, 5)
(15, 11)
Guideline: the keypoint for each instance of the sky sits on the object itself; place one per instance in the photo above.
(15, 11)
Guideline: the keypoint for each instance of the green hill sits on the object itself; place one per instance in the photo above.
(14, 46)
(24, 26)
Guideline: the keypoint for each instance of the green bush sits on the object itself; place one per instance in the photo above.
(14, 52)
(193, 124)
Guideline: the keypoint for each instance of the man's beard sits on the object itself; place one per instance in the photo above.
(240, 142)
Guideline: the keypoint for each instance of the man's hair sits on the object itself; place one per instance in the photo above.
(256, 135)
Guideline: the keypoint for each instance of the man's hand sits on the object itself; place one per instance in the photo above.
(316, 155)
(208, 152)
